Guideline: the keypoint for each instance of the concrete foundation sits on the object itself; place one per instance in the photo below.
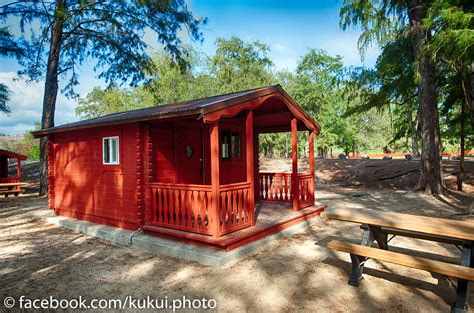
(171, 248)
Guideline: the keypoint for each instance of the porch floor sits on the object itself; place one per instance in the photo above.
(271, 217)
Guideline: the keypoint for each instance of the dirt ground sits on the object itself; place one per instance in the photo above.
(299, 273)
(396, 174)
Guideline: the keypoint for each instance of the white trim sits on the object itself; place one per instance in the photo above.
(110, 150)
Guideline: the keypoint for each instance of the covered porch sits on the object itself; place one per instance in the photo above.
(4, 157)
(205, 185)
(270, 217)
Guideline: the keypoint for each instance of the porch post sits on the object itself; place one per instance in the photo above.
(250, 163)
(215, 180)
(18, 172)
(294, 157)
(18, 168)
(311, 164)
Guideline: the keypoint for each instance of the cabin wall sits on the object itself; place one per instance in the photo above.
(163, 155)
(85, 188)
(233, 171)
(170, 165)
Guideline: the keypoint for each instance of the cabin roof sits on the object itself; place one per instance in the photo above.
(12, 155)
(179, 109)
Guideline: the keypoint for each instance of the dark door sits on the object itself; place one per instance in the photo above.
(189, 155)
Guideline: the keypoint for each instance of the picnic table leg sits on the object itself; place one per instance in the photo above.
(461, 289)
(371, 233)
(379, 236)
(357, 269)
(374, 233)
(367, 236)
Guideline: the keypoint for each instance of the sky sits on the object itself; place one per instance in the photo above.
(289, 28)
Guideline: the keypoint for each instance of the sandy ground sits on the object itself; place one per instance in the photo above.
(39, 260)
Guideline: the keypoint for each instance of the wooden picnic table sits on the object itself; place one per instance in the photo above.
(11, 188)
(12, 184)
(377, 225)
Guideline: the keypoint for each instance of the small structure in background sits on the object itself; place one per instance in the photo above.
(10, 185)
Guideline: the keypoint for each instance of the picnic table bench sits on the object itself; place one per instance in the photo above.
(377, 225)
(11, 188)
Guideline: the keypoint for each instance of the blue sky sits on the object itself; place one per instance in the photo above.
(289, 28)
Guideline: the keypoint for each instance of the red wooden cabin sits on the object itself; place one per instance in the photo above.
(186, 169)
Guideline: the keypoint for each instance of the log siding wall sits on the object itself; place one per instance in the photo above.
(84, 188)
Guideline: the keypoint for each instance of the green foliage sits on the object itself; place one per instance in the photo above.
(8, 48)
(320, 87)
(380, 20)
(317, 85)
(24, 144)
(108, 34)
(392, 85)
(238, 65)
(4, 98)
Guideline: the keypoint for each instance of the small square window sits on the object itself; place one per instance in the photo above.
(110, 150)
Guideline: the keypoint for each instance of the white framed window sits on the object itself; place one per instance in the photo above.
(110, 150)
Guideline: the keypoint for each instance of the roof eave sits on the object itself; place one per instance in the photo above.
(160, 116)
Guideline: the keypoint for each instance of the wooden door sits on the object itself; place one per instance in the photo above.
(189, 156)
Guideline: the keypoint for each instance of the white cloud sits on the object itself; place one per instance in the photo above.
(345, 44)
(26, 102)
(283, 56)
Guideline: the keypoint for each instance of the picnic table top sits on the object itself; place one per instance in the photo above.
(12, 184)
(463, 230)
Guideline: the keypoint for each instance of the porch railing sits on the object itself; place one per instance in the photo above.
(7, 180)
(181, 206)
(236, 211)
(277, 187)
(188, 207)
(306, 190)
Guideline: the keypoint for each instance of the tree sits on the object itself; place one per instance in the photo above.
(4, 98)
(238, 65)
(110, 33)
(452, 47)
(317, 85)
(389, 86)
(383, 21)
(8, 48)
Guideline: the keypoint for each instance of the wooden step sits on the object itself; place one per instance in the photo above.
(443, 268)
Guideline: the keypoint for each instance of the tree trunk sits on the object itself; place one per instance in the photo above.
(467, 99)
(431, 172)
(415, 150)
(51, 90)
(472, 94)
(460, 177)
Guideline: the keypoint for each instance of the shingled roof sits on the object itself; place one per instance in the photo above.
(180, 109)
